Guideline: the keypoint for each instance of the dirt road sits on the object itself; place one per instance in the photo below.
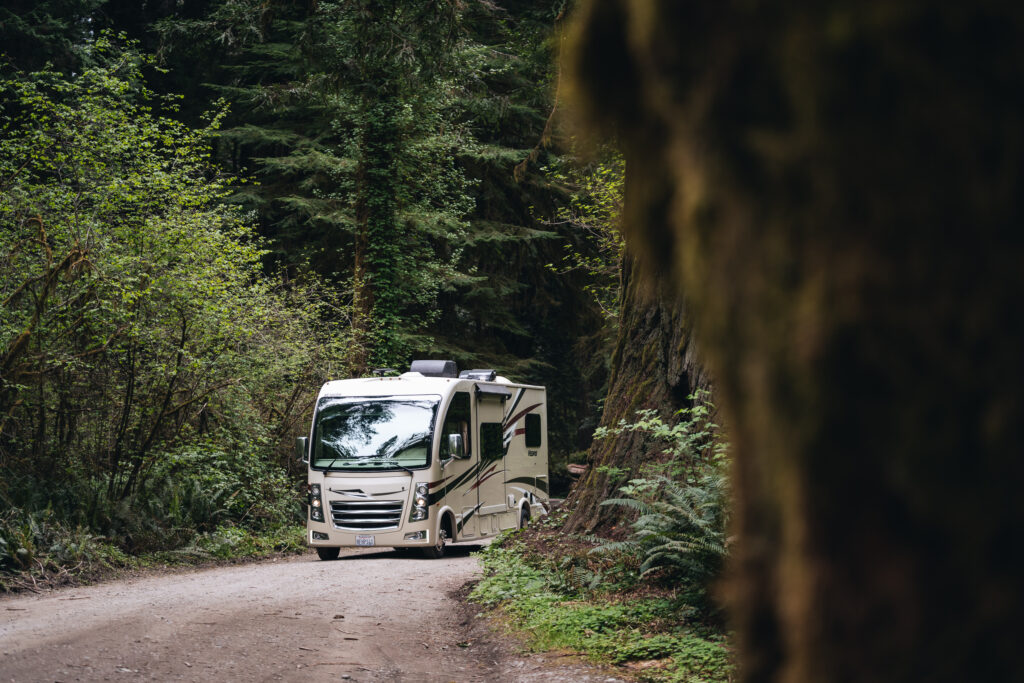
(369, 616)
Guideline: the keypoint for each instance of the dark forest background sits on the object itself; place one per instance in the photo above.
(211, 207)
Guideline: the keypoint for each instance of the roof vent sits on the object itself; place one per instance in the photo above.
(435, 368)
(480, 375)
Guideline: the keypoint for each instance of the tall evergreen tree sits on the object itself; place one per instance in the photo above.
(36, 32)
(387, 66)
(349, 129)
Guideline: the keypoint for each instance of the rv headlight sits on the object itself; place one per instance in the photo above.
(420, 501)
(316, 504)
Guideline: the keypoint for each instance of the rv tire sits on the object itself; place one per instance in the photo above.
(436, 551)
(328, 554)
(524, 517)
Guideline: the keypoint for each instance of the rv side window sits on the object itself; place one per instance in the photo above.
(456, 421)
(533, 432)
(491, 446)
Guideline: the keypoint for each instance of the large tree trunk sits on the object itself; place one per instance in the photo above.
(654, 365)
(846, 228)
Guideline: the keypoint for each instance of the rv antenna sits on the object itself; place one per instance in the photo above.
(380, 372)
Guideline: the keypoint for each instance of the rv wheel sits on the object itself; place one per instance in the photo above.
(437, 550)
(328, 554)
(524, 517)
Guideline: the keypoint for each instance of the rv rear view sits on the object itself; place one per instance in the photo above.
(424, 459)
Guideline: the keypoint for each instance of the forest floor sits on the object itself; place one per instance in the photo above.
(370, 616)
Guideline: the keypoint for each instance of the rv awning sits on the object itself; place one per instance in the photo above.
(492, 391)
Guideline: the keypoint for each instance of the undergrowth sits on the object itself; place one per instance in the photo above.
(564, 601)
(39, 550)
(644, 601)
(196, 505)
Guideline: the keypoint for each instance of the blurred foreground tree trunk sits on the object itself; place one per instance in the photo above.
(844, 223)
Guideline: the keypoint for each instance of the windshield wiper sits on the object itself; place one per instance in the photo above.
(389, 462)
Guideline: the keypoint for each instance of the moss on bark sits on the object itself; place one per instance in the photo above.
(836, 188)
(653, 366)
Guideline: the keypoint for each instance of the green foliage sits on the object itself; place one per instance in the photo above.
(555, 614)
(36, 32)
(387, 83)
(342, 113)
(681, 505)
(594, 213)
(43, 548)
(691, 439)
(38, 545)
(679, 531)
(149, 370)
(232, 542)
(246, 486)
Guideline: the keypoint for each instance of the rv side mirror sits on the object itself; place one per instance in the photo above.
(302, 448)
(455, 446)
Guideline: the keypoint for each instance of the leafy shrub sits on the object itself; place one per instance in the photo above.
(188, 494)
(151, 366)
(40, 547)
(242, 484)
(688, 442)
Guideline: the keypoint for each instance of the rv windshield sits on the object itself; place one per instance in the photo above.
(379, 433)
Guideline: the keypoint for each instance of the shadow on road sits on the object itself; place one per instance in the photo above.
(413, 554)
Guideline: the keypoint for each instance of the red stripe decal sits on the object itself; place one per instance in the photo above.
(484, 477)
(520, 414)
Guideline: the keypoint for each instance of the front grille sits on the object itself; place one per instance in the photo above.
(378, 514)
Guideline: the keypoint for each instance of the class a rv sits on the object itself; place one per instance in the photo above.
(426, 458)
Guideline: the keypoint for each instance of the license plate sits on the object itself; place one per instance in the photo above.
(364, 540)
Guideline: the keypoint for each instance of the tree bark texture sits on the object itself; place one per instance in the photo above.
(844, 223)
(654, 365)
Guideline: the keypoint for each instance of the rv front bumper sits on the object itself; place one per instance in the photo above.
(410, 536)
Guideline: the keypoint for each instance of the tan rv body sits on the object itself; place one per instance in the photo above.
(385, 470)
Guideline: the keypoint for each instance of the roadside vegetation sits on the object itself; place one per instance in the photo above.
(148, 364)
(643, 597)
(38, 550)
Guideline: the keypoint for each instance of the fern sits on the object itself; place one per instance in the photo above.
(679, 529)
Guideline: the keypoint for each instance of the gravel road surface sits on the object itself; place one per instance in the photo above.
(369, 616)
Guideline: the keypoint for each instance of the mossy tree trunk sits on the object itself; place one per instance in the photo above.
(845, 225)
(376, 313)
(654, 365)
